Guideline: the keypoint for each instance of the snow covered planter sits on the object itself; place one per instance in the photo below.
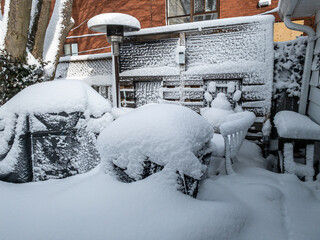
(48, 131)
(157, 136)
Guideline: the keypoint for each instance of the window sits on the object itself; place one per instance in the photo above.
(183, 11)
(70, 49)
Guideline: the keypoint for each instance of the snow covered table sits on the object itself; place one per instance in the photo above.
(293, 127)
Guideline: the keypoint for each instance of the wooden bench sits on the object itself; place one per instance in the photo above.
(296, 128)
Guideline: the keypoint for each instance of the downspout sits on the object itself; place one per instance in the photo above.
(307, 63)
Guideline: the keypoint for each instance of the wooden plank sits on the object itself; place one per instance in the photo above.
(317, 46)
(315, 81)
(317, 20)
(314, 112)
(315, 95)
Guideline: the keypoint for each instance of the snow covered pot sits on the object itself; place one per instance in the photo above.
(155, 136)
(48, 131)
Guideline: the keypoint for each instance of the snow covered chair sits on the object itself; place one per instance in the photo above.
(293, 127)
(234, 131)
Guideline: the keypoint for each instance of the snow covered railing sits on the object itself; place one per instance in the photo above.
(234, 131)
(293, 127)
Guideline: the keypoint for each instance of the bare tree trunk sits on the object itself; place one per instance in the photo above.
(67, 24)
(51, 51)
(38, 28)
(18, 26)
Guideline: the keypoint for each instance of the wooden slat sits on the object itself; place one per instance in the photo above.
(314, 78)
(315, 95)
(314, 112)
(317, 46)
(317, 20)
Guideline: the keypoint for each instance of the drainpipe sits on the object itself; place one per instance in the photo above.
(307, 63)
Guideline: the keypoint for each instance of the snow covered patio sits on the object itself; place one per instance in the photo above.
(253, 204)
(92, 170)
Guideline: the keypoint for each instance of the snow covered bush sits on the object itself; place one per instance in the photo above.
(288, 66)
(154, 137)
(48, 131)
(15, 76)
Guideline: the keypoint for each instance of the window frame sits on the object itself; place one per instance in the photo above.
(192, 11)
(70, 48)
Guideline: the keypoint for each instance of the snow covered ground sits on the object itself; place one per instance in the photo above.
(252, 204)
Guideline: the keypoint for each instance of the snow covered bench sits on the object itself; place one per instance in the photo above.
(293, 127)
(233, 131)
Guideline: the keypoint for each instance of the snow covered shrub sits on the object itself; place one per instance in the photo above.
(15, 76)
(48, 130)
(288, 66)
(154, 137)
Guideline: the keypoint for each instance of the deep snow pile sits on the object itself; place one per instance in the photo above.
(167, 135)
(252, 204)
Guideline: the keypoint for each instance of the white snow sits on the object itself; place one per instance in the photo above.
(98, 23)
(219, 110)
(4, 23)
(85, 57)
(152, 71)
(221, 102)
(290, 124)
(168, 135)
(238, 66)
(203, 24)
(58, 96)
(236, 122)
(253, 204)
(118, 112)
(98, 80)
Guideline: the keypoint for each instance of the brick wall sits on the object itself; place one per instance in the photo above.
(238, 8)
(150, 13)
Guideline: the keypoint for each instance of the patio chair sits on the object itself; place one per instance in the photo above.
(233, 131)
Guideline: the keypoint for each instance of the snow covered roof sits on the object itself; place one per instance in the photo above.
(201, 25)
(85, 57)
(298, 8)
(98, 23)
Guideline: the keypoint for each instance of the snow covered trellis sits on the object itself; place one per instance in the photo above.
(95, 69)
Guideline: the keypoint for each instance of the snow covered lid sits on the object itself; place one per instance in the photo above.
(98, 23)
(298, 8)
(290, 124)
(57, 96)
